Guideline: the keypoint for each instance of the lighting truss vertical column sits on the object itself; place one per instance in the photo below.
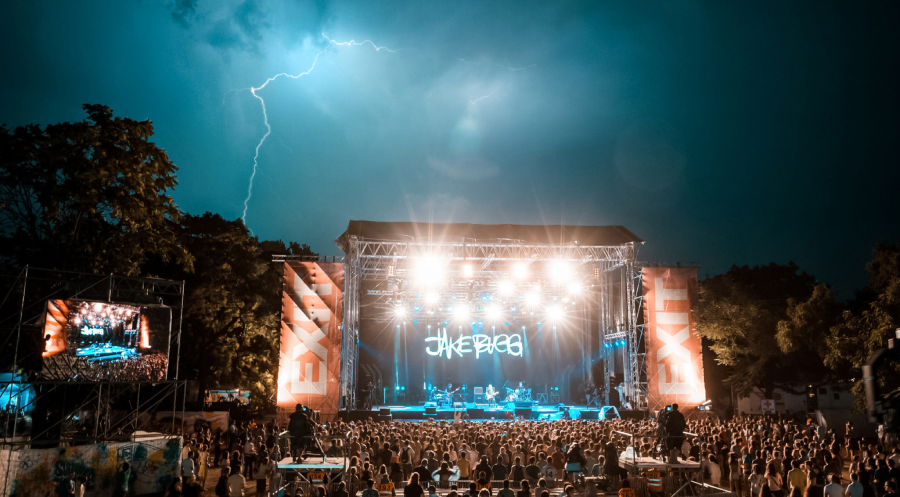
(350, 347)
(634, 336)
(603, 321)
(637, 300)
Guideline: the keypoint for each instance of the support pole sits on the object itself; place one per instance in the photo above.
(97, 414)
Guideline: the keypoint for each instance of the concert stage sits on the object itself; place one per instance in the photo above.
(483, 412)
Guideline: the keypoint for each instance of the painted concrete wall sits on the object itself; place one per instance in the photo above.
(154, 463)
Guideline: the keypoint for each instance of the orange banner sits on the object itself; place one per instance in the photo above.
(674, 362)
(312, 310)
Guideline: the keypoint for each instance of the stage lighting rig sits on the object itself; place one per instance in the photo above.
(555, 313)
(560, 271)
(520, 270)
(429, 271)
(493, 312)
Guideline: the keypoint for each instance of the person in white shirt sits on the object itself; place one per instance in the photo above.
(236, 483)
(715, 472)
(834, 489)
(187, 466)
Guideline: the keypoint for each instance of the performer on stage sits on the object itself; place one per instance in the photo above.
(490, 394)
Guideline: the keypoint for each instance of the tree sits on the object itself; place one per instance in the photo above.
(230, 330)
(739, 313)
(856, 336)
(88, 196)
(230, 335)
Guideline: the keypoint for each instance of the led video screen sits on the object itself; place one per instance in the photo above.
(85, 340)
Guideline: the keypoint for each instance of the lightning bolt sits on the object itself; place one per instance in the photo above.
(262, 102)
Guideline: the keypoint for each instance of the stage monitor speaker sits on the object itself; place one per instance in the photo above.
(459, 405)
(384, 411)
(525, 413)
(430, 411)
(590, 414)
(523, 403)
(475, 413)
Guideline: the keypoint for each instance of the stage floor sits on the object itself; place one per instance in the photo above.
(485, 412)
(312, 463)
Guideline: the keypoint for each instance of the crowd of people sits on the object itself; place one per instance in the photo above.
(776, 456)
(144, 367)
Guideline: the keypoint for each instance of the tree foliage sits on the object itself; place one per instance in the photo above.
(88, 196)
(856, 336)
(739, 313)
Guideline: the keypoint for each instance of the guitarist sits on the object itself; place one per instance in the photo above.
(450, 392)
(490, 394)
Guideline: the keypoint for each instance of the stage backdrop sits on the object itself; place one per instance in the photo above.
(674, 363)
(311, 314)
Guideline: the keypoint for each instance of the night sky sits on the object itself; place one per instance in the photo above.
(719, 132)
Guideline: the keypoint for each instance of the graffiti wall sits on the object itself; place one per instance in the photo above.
(154, 463)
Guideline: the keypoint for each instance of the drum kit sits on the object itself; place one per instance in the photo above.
(518, 395)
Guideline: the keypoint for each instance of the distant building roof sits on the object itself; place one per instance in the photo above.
(456, 232)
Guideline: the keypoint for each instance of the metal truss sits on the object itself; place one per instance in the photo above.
(381, 260)
(637, 391)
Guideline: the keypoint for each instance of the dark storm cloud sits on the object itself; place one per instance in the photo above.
(182, 11)
(719, 132)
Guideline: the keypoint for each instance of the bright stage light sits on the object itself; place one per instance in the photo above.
(468, 272)
(574, 288)
(432, 298)
(461, 313)
(493, 312)
(555, 312)
(429, 271)
(560, 271)
(532, 299)
(520, 270)
(505, 287)
(400, 312)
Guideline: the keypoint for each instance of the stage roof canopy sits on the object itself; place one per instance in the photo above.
(458, 232)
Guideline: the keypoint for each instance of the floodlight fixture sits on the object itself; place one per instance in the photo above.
(429, 270)
(520, 270)
(555, 313)
(468, 272)
(493, 312)
(560, 271)
(461, 313)
(505, 287)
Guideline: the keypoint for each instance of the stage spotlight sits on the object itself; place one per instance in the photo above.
(532, 299)
(555, 312)
(461, 313)
(520, 270)
(432, 298)
(574, 288)
(505, 287)
(493, 312)
(560, 271)
(468, 272)
(429, 271)
(399, 312)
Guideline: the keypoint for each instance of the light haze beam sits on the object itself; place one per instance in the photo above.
(262, 102)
